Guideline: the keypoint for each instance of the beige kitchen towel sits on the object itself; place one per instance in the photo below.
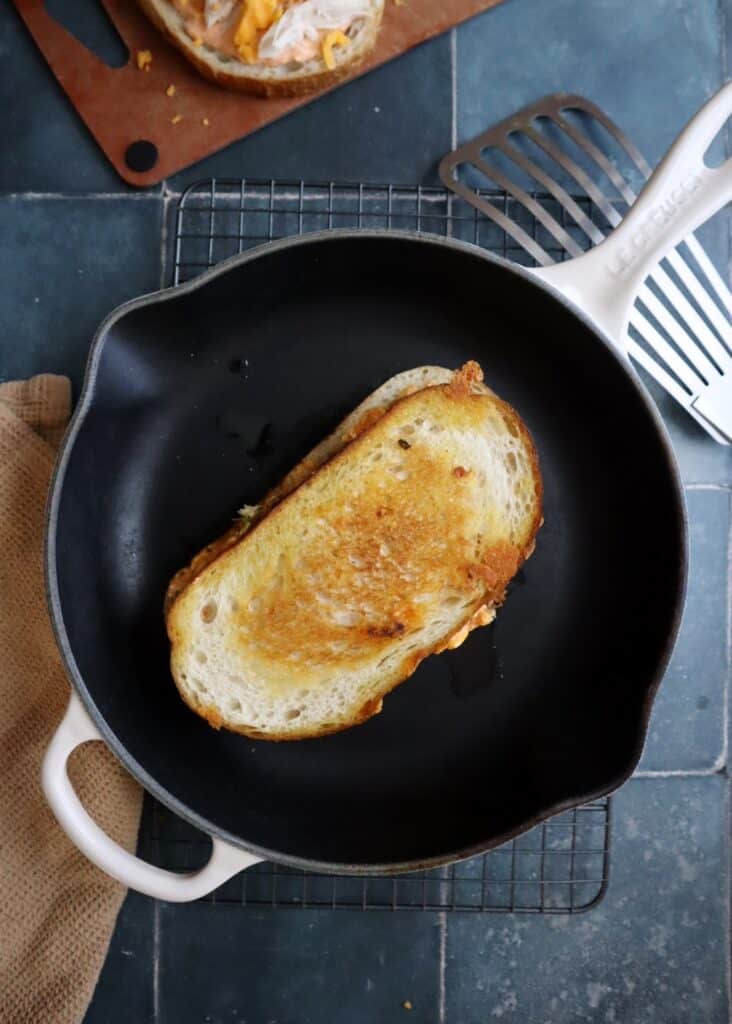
(57, 911)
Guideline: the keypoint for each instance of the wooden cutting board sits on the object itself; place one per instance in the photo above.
(130, 116)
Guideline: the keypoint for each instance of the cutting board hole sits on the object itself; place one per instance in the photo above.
(141, 156)
(89, 23)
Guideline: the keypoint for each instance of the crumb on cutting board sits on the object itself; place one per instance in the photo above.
(144, 60)
(177, 119)
(170, 91)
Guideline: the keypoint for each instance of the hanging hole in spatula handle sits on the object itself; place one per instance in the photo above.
(76, 728)
(682, 193)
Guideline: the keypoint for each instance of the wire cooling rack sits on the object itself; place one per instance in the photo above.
(560, 867)
(219, 218)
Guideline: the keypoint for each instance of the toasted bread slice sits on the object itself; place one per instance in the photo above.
(261, 78)
(373, 562)
(398, 386)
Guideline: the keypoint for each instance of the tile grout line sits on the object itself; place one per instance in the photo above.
(727, 883)
(136, 196)
(453, 89)
(164, 244)
(443, 963)
(156, 962)
(684, 773)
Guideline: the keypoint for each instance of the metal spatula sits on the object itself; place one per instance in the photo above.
(565, 147)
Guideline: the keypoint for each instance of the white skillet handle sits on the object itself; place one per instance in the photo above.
(682, 193)
(77, 728)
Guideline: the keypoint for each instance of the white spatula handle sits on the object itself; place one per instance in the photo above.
(682, 193)
(76, 728)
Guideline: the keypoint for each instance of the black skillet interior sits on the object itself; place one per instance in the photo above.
(202, 401)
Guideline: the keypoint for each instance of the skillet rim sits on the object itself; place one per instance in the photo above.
(76, 423)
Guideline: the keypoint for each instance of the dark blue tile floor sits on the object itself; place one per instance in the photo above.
(687, 732)
(649, 65)
(64, 264)
(652, 951)
(126, 984)
(656, 949)
(306, 966)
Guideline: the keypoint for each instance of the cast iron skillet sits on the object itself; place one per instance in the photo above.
(199, 399)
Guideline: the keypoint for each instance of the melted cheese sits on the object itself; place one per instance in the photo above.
(483, 617)
(250, 30)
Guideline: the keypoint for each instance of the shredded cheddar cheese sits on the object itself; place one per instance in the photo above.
(336, 38)
(170, 91)
(258, 16)
(177, 119)
(144, 60)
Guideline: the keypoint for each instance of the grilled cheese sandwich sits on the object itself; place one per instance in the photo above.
(392, 540)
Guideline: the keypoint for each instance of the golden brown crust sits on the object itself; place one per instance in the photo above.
(368, 710)
(362, 526)
(266, 88)
(290, 482)
(494, 574)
